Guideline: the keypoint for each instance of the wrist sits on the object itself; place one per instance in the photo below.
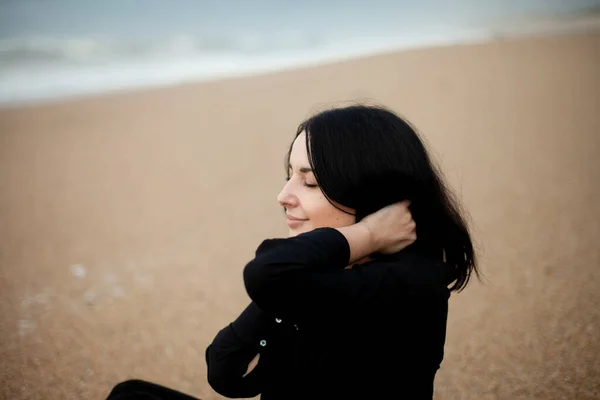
(370, 237)
(361, 240)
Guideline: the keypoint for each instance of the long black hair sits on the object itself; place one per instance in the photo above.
(367, 157)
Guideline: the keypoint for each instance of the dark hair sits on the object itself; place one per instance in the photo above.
(367, 157)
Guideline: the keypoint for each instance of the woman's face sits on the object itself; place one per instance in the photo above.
(305, 205)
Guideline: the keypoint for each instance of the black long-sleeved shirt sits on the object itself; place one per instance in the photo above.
(323, 331)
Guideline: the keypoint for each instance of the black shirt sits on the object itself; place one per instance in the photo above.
(324, 331)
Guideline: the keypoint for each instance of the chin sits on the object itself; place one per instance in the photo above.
(293, 232)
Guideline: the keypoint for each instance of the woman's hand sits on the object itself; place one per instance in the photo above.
(386, 231)
(392, 228)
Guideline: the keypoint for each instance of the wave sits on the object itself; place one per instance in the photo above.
(37, 69)
(49, 50)
(43, 68)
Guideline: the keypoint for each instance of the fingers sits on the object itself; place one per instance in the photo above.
(402, 214)
(412, 225)
(413, 235)
(410, 232)
(407, 219)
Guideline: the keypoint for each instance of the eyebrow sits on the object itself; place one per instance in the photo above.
(304, 170)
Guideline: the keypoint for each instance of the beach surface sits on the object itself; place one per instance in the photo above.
(126, 219)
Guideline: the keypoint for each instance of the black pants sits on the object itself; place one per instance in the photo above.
(140, 390)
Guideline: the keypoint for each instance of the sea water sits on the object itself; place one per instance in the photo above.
(53, 49)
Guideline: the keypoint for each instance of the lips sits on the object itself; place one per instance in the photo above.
(294, 222)
(294, 218)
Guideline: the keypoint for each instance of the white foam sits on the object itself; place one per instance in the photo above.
(39, 83)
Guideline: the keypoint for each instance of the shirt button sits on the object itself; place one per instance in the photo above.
(277, 320)
(263, 343)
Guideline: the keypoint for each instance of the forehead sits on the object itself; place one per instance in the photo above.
(299, 155)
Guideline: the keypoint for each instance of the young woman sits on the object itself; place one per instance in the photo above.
(353, 305)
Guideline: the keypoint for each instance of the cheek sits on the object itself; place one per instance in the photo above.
(323, 214)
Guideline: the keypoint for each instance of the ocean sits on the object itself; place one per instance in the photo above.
(52, 49)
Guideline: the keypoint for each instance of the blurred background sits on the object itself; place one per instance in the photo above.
(56, 48)
(142, 147)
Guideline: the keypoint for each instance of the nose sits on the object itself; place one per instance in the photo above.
(286, 197)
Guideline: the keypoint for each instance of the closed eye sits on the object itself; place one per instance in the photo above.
(308, 185)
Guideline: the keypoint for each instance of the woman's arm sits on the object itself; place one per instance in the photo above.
(307, 274)
(386, 231)
(233, 349)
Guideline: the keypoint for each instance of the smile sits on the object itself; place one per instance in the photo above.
(294, 222)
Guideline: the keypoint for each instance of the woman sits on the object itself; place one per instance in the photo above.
(353, 305)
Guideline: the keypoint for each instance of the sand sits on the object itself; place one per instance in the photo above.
(126, 219)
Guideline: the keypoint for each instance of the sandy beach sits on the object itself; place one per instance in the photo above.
(126, 219)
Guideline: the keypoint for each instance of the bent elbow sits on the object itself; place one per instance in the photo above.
(269, 289)
(226, 381)
(229, 386)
